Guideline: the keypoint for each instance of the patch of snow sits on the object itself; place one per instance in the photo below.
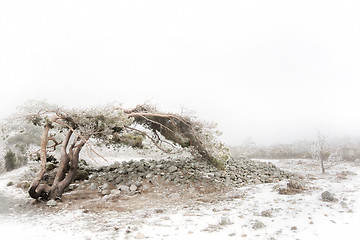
(300, 216)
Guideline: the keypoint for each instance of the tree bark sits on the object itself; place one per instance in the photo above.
(36, 189)
(63, 178)
(73, 159)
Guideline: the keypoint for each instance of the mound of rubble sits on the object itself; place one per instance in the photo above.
(132, 175)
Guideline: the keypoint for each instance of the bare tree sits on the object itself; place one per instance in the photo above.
(328, 155)
(75, 129)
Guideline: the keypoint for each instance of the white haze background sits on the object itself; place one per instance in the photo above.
(275, 71)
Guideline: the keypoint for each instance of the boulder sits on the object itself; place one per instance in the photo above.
(258, 225)
(328, 197)
(81, 175)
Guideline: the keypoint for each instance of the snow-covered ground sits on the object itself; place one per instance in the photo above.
(301, 216)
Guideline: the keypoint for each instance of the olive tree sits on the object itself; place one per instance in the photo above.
(71, 130)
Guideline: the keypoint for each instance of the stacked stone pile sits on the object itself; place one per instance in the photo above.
(131, 175)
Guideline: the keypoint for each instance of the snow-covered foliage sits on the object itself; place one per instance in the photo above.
(113, 126)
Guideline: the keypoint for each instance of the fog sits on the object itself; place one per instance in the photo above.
(274, 71)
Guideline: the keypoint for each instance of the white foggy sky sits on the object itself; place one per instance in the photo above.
(275, 71)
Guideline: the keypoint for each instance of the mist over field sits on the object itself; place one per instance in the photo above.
(273, 71)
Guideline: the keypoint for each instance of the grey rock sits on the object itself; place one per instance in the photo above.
(118, 180)
(114, 166)
(266, 213)
(159, 210)
(138, 184)
(51, 203)
(105, 192)
(258, 225)
(225, 221)
(328, 196)
(81, 175)
(73, 186)
(92, 187)
(133, 188)
(172, 169)
(124, 188)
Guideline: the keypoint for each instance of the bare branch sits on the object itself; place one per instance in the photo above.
(147, 135)
(81, 137)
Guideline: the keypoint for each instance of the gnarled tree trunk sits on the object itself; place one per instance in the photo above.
(69, 157)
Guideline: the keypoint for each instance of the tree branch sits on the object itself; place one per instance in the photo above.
(147, 135)
(81, 137)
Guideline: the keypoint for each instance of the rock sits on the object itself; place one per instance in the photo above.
(23, 185)
(118, 180)
(104, 186)
(139, 235)
(133, 188)
(258, 225)
(293, 187)
(159, 210)
(51, 203)
(115, 193)
(294, 228)
(138, 184)
(225, 221)
(114, 166)
(328, 197)
(296, 184)
(110, 177)
(72, 186)
(105, 192)
(341, 176)
(50, 166)
(92, 187)
(124, 188)
(172, 169)
(81, 175)
(266, 213)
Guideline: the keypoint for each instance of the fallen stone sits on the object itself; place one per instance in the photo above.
(81, 175)
(258, 225)
(133, 188)
(124, 188)
(328, 197)
(92, 187)
(139, 235)
(225, 221)
(341, 176)
(266, 213)
(105, 192)
(118, 180)
(51, 203)
(172, 169)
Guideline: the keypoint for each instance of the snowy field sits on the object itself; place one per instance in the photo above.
(236, 216)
